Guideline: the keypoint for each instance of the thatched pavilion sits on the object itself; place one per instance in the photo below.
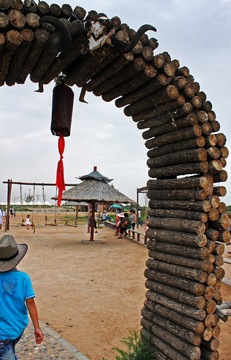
(93, 189)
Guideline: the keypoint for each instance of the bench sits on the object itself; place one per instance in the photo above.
(131, 234)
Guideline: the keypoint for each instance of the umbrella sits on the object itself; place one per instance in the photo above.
(116, 206)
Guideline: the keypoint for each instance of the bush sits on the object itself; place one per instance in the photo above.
(138, 348)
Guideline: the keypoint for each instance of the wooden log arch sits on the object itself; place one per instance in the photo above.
(186, 152)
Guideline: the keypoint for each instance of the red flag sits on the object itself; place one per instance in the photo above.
(60, 183)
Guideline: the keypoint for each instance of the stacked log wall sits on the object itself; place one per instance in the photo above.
(186, 160)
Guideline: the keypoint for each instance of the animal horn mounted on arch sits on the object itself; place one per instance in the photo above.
(123, 48)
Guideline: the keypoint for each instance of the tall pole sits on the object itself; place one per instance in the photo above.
(9, 188)
(137, 208)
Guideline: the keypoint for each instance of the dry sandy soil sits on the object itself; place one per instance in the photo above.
(92, 294)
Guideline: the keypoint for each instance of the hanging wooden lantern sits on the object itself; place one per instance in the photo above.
(62, 107)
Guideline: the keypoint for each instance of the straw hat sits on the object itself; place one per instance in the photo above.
(11, 253)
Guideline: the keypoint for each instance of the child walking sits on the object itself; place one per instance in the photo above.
(16, 297)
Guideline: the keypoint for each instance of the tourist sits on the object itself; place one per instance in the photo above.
(132, 219)
(119, 217)
(125, 225)
(139, 218)
(28, 222)
(105, 216)
(17, 297)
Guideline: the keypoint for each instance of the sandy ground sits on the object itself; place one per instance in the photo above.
(92, 294)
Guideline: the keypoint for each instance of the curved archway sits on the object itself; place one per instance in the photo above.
(186, 159)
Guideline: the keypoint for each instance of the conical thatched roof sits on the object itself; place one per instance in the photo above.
(94, 190)
(95, 175)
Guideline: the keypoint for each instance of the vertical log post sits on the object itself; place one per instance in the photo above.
(9, 188)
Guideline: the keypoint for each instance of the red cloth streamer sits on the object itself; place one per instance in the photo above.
(60, 183)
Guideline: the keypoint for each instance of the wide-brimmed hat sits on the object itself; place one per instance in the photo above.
(11, 253)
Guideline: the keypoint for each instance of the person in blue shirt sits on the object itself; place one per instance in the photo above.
(16, 298)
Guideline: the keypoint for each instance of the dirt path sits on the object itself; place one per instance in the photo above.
(91, 294)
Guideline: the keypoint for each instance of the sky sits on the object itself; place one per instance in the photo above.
(197, 33)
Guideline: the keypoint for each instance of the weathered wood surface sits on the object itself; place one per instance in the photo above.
(181, 250)
(183, 214)
(181, 169)
(182, 205)
(178, 157)
(185, 225)
(195, 301)
(191, 182)
(178, 194)
(181, 271)
(194, 325)
(182, 260)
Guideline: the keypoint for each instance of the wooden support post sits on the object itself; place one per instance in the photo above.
(9, 188)
(92, 220)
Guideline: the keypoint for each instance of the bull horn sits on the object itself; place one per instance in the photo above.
(123, 48)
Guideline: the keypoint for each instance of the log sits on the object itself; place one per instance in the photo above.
(212, 234)
(81, 13)
(204, 206)
(55, 10)
(216, 331)
(211, 320)
(181, 260)
(49, 54)
(219, 272)
(211, 280)
(183, 71)
(30, 7)
(66, 10)
(163, 108)
(153, 43)
(175, 136)
(178, 317)
(80, 72)
(16, 4)
(190, 226)
(38, 44)
(188, 91)
(211, 115)
(214, 199)
(209, 292)
(4, 5)
(222, 207)
(179, 157)
(210, 140)
(221, 139)
(215, 126)
(222, 223)
(196, 102)
(213, 214)
(159, 61)
(147, 53)
(165, 118)
(219, 191)
(153, 85)
(224, 152)
(207, 334)
(224, 236)
(184, 122)
(43, 8)
(223, 162)
(16, 19)
(220, 176)
(173, 328)
(217, 295)
(219, 261)
(155, 99)
(4, 21)
(169, 68)
(182, 169)
(113, 68)
(183, 145)
(20, 55)
(182, 214)
(191, 182)
(179, 81)
(63, 60)
(213, 152)
(181, 250)
(210, 306)
(207, 106)
(210, 246)
(32, 20)
(197, 302)
(13, 40)
(127, 72)
(202, 96)
(183, 309)
(133, 83)
(181, 271)
(182, 194)
(219, 249)
(206, 128)
(163, 347)
(2, 43)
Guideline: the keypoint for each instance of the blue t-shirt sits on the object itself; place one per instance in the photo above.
(15, 288)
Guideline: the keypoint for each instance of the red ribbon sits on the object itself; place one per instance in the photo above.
(60, 183)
